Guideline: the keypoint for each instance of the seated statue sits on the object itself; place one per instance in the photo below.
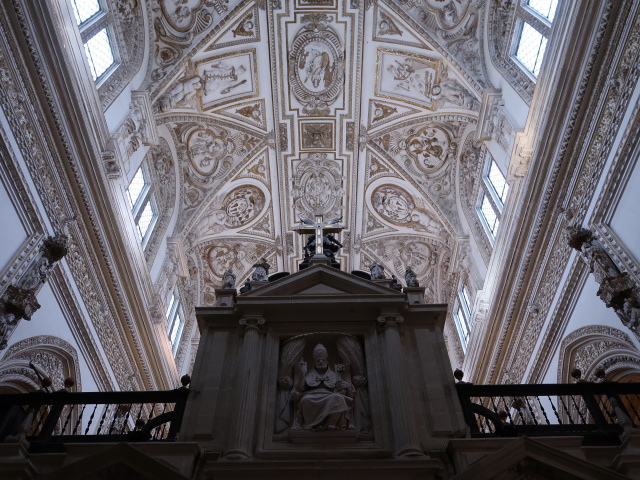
(323, 401)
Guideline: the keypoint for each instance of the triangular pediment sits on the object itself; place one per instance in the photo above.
(116, 461)
(527, 458)
(320, 280)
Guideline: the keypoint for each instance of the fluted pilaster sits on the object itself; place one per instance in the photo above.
(403, 425)
(243, 425)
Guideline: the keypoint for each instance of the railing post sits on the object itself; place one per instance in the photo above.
(467, 410)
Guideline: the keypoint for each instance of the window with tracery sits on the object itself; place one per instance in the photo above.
(143, 205)
(96, 32)
(492, 197)
(533, 29)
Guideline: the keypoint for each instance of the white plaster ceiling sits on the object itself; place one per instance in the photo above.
(283, 109)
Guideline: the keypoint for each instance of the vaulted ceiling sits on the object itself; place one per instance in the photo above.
(279, 110)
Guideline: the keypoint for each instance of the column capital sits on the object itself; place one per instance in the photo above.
(252, 323)
(390, 320)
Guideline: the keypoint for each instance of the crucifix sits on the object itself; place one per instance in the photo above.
(318, 228)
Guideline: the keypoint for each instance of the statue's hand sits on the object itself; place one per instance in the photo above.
(359, 381)
(286, 383)
(346, 387)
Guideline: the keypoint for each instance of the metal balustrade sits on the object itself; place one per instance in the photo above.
(601, 412)
(42, 418)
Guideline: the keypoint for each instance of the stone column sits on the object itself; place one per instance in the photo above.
(405, 435)
(243, 424)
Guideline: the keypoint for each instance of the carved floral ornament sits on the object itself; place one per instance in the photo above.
(316, 64)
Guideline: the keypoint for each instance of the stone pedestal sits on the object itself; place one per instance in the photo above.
(415, 295)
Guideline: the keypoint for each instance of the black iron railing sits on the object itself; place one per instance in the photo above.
(599, 411)
(43, 418)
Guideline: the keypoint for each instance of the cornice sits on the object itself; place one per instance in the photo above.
(67, 178)
(537, 230)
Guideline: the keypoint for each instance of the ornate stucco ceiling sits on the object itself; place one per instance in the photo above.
(284, 109)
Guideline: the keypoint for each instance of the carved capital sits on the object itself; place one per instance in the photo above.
(577, 235)
(390, 320)
(19, 303)
(54, 248)
(252, 323)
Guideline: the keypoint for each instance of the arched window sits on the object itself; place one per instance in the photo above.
(493, 194)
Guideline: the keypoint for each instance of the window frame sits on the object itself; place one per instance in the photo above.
(101, 20)
(174, 313)
(496, 201)
(145, 197)
(461, 314)
(526, 14)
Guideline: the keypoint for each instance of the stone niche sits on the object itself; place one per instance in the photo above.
(322, 393)
(326, 366)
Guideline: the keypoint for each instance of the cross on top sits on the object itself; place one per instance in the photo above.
(319, 228)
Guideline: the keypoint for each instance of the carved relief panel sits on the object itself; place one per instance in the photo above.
(407, 77)
(317, 186)
(322, 387)
(316, 64)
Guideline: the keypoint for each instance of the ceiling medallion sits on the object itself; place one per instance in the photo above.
(207, 149)
(316, 63)
(429, 148)
(317, 185)
(242, 205)
(397, 206)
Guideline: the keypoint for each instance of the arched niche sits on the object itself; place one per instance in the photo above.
(51, 356)
(598, 346)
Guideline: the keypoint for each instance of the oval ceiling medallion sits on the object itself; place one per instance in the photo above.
(393, 204)
(316, 62)
(242, 205)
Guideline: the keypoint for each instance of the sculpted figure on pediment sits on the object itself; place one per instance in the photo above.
(316, 394)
